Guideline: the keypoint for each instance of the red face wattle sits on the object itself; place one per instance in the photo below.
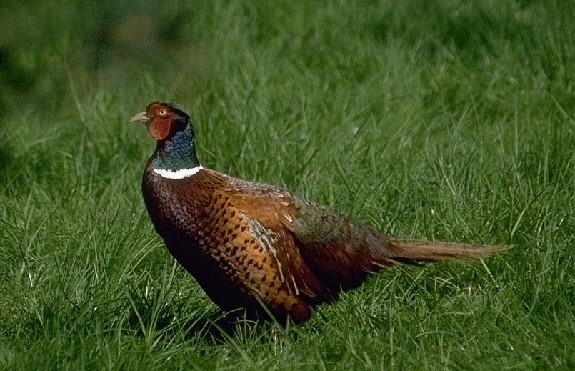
(161, 121)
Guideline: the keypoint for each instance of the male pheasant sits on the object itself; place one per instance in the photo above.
(249, 243)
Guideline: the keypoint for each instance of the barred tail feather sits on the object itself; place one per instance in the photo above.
(412, 251)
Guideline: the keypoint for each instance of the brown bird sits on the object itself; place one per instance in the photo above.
(249, 243)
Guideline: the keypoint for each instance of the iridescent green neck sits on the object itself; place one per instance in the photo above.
(177, 151)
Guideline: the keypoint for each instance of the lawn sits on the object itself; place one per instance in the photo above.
(449, 120)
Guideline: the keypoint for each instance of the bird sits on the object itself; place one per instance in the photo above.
(257, 248)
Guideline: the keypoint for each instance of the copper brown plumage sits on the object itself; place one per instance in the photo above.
(250, 244)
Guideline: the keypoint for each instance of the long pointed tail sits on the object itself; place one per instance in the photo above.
(412, 251)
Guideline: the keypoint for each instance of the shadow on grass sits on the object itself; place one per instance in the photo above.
(213, 327)
(218, 328)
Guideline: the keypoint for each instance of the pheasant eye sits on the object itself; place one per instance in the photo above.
(163, 112)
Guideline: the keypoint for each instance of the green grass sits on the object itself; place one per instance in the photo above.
(448, 120)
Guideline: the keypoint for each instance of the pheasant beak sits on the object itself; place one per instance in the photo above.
(140, 117)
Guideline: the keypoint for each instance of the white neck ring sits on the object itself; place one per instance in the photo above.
(178, 174)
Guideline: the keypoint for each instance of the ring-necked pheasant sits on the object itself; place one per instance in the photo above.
(249, 243)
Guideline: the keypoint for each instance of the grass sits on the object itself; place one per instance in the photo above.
(440, 120)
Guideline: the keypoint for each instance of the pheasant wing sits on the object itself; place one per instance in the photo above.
(325, 246)
(271, 209)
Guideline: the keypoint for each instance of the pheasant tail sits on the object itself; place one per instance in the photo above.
(342, 251)
(412, 251)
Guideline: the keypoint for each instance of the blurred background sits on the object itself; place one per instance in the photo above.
(52, 54)
(52, 51)
(75, 61)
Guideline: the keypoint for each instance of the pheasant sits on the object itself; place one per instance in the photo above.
(258, 247)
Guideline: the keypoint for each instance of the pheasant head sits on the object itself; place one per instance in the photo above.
(173, 132)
